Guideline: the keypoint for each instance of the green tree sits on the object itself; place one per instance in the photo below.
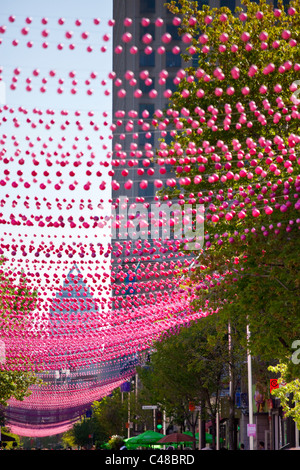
(111, 413)
(15, 384)
(193, 365)
(88, 432)
(288, 392)
(16, 304)
(234, 126)
(68, 438)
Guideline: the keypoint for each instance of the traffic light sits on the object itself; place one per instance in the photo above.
(158, 419)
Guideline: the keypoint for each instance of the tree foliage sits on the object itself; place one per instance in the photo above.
(16, 303)
(193, 365)
(88, 432)
(111, 413)
(234, 127)
(288, 392)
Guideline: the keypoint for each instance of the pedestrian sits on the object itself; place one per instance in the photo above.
(261, 445)
(122, 445)
(207, 447)
(242, 447)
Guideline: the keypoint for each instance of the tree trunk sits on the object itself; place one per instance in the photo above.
(231, 422)
(193, 425)
(203, 439)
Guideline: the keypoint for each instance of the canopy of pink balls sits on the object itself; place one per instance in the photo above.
(136, 287)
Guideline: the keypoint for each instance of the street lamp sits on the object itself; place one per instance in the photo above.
(249, 388)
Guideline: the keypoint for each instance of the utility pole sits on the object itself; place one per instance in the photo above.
(128, 429)
(199, 429)
(164, 423)
(249, 388)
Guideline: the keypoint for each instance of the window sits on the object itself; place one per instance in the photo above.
(149, 192)
(195, 60)
(146, 107)
(143, 139)
(228, 3)
(147, 6)
(170, 85)
(146, 88)
(147, 60)
(285, 3)
(173, 30)
(147, 30)
(201, 3)
(173, 60)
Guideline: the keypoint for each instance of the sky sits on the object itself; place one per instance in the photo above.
(65, 49)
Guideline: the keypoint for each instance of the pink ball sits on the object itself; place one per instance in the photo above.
(127, 22)
(224, 37)
(187, 38)
(208, 19)
(245, 36)
(128, 184)
(200, 93)
(176, 21)
(235, 72)
(147, 38)
(134, 50)
(166, 38)
(158, 183)
(127, 37)
(122, 93)
(286, 34)
(223, 17)
(278, 88)
(203, 39)
(153, 93)
(263, 36)
(145, 22)
(143, 184)
(253, 70)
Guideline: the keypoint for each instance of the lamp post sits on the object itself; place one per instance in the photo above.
(249, 388)
(128, 428)
(2, 361)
